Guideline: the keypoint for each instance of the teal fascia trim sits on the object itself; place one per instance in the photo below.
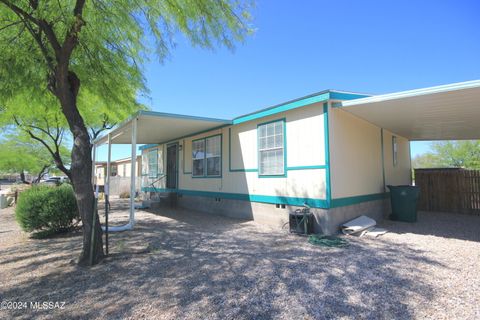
(148, 146)
(284, 175)
(322, 96)
(339, 95)
(318, 97)
(307, 167)
(293, 201)
(328, 187)
(342, 202)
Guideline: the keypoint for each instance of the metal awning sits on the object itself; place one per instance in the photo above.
(148, 127)
(155, 127)
(448, 112)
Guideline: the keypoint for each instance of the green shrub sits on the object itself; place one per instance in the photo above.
(46, 209)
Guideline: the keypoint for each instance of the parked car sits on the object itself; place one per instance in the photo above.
(57, 180)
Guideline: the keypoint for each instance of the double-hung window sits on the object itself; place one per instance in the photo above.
(207, 157)
(271, 148)
(153, 163)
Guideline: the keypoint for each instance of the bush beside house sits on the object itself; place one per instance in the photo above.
(47, 210)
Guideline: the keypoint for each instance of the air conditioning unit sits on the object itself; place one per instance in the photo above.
(301, 221)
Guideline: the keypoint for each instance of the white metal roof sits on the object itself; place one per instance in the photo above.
(448, 112)
(152, 126)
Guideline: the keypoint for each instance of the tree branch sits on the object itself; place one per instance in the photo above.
(20, 11)
(71, 38)
(105, 126)
(55, 154)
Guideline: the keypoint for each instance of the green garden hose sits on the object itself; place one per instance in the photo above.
(328, 241)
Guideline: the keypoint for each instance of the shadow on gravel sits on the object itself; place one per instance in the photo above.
(202, 266)
(440, 224)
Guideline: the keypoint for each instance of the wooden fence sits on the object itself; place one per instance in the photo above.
(449, 190)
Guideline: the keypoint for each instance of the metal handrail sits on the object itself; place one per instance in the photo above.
(153, 183)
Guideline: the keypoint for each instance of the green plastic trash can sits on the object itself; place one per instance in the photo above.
(404, 203)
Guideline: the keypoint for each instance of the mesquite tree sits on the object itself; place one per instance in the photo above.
(56, 53)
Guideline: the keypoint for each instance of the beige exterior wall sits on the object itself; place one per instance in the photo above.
(356, 156)
(304, 129)
(399, 174)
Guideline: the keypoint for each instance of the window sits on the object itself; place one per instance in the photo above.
(213, 156)
(153, 163)
(271, 148)
(394, 150)
(207, 157)
(113, 170)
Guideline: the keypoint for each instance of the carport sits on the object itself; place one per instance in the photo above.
(449, 112)
(148, 127)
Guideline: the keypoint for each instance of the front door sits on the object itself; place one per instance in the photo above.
(172, 166)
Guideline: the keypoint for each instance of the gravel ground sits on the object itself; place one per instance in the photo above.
(188, 265)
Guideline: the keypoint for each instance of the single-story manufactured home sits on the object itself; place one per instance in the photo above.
(118, 168)
(334, 151)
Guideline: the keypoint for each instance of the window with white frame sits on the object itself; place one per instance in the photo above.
(271, 148)
(207, 157)
(153, 163)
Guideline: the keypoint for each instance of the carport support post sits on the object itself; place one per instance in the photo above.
(133, 172)
(106, 190)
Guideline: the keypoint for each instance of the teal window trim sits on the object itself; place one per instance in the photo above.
(284, 175)
(314, 167)
(326, 128)
(205, 175)
(292, 168)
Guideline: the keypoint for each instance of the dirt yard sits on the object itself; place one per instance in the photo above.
(189, 265)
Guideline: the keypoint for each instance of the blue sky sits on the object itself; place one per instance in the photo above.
(304, 47)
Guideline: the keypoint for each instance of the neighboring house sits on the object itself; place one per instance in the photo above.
(118, 168)
(335, 151)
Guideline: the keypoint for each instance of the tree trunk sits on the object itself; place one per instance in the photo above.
(22, 177)
(81, 167)
(41, 174)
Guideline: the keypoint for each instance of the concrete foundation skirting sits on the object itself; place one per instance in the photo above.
(327, 221)
(264, 213)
